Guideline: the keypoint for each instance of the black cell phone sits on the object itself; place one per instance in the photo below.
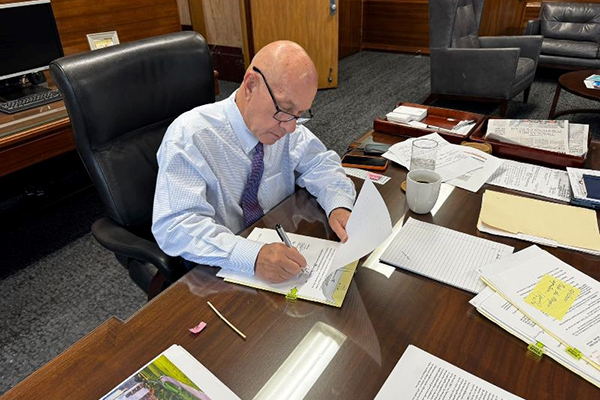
(376, 149)
(365, 162)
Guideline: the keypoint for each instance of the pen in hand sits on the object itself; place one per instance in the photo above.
(283, 236)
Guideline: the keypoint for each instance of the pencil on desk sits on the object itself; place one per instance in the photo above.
(227, 322)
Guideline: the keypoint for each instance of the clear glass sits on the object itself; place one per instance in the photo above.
(424, 154)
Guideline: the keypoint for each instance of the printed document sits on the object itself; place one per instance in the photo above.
(443, 254)
(173, 371)
(543, 222)
(452, 161)
(515, 277)
(551, 135)
(474, 180)
(529, 178)
(315, 283)
(494, 307)
(419, 375)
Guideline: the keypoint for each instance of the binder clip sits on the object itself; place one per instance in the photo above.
(537, 349)
(292, 296)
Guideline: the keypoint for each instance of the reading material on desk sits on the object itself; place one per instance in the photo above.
(582, 194)
(534, 179)
(330, 265)
(443, 254)
(500, 311)
(560, 299)
(552, 135)
(538, 221)
(592, 82)
(419, 375)
(173, 371)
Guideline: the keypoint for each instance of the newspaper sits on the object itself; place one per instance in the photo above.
(552, 135)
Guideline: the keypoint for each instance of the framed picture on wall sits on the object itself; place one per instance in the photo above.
(102, 39)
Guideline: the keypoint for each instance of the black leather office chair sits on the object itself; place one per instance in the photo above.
(120, 101)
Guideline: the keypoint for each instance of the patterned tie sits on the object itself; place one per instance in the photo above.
(252, 210)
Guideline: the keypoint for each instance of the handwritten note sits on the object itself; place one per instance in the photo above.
(553, 296)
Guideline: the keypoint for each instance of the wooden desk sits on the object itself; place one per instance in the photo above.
(380, 317)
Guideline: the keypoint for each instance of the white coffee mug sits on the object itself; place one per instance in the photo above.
(422, 190)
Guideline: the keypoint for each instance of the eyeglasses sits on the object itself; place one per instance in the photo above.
(284, 116)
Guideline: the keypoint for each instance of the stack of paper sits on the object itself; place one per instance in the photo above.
(552, 135)
(419, 375)
(443, 254)
(547, 303)
(173, 371)
(585, 193)
(405, 114)
(592, 82)
(538, 221)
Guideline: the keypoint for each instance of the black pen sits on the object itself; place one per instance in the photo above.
(282, 235)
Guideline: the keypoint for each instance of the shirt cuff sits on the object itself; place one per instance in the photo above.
(337, 202)
(243, 256)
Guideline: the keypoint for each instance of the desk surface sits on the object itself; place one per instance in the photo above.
(380, 317)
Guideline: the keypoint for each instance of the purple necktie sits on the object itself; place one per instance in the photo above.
(252, 210)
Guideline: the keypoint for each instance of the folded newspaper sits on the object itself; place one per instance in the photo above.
(552, 135)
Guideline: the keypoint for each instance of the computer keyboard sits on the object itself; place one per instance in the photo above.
(31, 101)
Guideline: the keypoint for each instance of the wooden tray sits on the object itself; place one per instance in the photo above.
(442, 117)
(527, 154)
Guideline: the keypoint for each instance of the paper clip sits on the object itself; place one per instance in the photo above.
(292, 296)
(537, 349)
(573, 352)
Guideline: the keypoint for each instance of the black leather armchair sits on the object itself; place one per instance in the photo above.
(466, 66)
(120, 101)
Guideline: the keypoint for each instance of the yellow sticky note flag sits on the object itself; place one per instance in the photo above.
(552, 296)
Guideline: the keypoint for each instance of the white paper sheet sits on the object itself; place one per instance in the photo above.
(514, 278)
(474, 180)
(551, 135)
(419, 375)
(368, 226)
(452, 161)
(362, 174)
(578, 139)
(529, 178)
(443, 254)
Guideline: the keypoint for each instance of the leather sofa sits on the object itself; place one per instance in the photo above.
(571, 34)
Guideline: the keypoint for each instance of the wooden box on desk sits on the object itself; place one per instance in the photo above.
(526, 154)
(436, 116)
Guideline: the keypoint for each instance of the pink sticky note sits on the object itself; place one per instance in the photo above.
(198, 328)
(374, 177)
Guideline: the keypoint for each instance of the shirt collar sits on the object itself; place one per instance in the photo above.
(247, 139)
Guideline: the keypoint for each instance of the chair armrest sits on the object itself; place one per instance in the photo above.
(532, 27)
(124, 243)
(530, 45)
(473, 72)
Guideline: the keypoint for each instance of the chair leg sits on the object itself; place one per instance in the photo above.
(526, 94)
(156, 285)
(503, 107)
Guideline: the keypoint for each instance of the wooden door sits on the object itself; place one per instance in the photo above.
(502, 17)
(306, 22)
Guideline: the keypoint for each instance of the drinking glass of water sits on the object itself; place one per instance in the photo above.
(424, 154)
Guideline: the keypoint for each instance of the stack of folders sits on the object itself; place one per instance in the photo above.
(538, 221)
(405, 114)
(548, 304)
(585, 187)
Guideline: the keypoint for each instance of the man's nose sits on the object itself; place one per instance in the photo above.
(289, 126)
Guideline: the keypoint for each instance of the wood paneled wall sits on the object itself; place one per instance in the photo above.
(350, 27)
(397, 25)
(223, 23)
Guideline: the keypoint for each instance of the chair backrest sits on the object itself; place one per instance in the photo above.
(571, 21)
(454, 23)
(120, 101)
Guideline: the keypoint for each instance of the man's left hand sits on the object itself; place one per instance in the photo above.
(338, 220)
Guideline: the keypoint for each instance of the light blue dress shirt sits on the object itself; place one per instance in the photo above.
(204, 162)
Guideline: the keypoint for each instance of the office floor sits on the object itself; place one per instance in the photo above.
(57, 283)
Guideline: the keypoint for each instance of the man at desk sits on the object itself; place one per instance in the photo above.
(223, 165)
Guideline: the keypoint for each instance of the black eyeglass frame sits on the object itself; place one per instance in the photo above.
(299, 119)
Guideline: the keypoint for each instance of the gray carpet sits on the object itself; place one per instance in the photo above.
(52, 302)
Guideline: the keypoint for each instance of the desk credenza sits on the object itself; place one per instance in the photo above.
(380, 317)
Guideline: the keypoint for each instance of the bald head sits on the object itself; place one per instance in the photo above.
(285, 62)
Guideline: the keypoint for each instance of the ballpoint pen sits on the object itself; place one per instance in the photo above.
(284, 238)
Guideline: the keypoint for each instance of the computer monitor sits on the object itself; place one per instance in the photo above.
(29, 41)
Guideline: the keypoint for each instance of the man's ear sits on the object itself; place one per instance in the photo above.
(249, 84)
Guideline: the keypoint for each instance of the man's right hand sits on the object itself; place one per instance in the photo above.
(277, 263)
